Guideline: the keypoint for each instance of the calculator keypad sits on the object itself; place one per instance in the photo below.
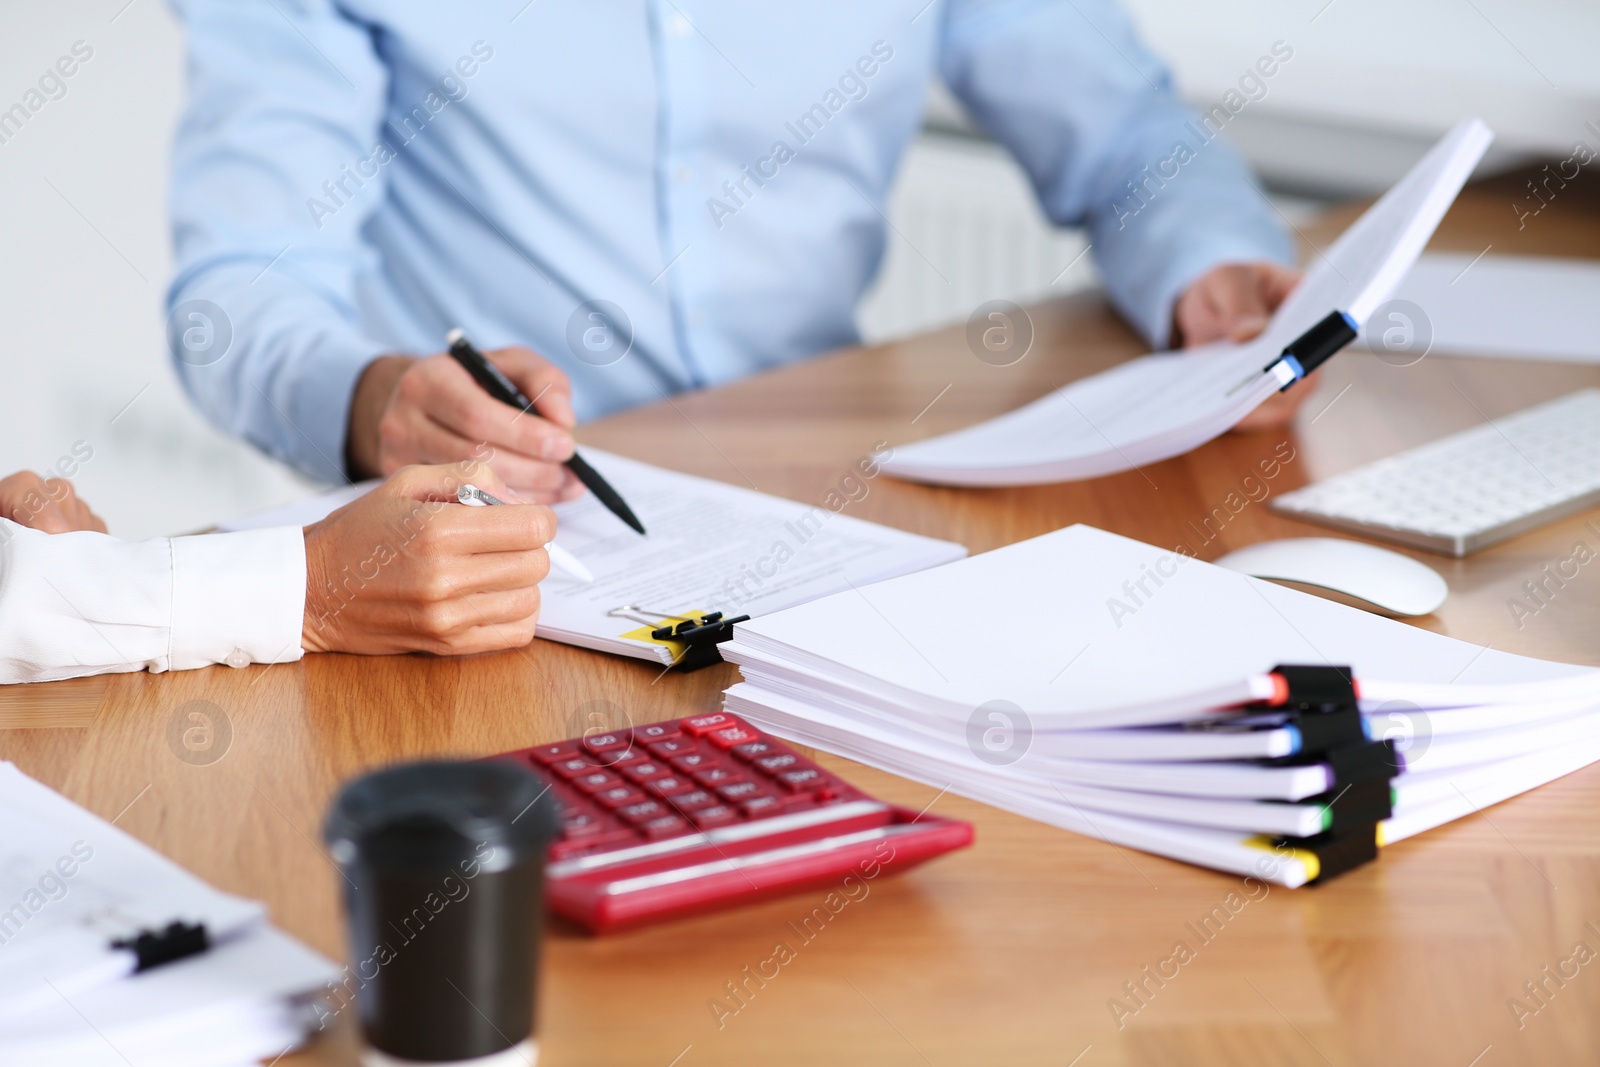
(628, 787)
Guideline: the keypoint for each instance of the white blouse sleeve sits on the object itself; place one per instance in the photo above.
(86, 603)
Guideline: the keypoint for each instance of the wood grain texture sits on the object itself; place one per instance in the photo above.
(1013, 951)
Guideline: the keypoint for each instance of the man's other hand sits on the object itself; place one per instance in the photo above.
(408, 411)
(407, 569)
(1233, 302)
(47, 504)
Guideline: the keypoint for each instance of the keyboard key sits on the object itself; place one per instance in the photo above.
(582, 824)
(656, 731)
(616, 837)
(700, 725)
(572, 767)
(548, 754)
(805, 780)
(642, 812)
(618, 796)
(742, 791)
(608, 747)
(774, 764)
(729, 736)
(761, 807)
(595, 781)
(718, 815)
(664, 826)
(715, 776)
(695, 798)
(754, 750)
(640, 769)
(668, 785)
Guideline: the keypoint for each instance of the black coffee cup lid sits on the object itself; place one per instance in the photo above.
(440, 813)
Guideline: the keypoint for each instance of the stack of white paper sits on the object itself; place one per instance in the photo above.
(71, 884)
(1163, 405)
(1094, 682)
(711, 547)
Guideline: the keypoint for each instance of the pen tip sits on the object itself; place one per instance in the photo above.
(456, 334)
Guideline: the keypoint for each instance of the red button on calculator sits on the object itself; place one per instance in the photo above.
(706, 812)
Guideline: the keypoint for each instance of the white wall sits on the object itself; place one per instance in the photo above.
(1372, 82)
(84, 260)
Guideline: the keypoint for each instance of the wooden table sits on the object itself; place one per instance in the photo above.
(1009, 952)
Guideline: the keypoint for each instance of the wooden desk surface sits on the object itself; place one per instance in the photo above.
(1008, 952)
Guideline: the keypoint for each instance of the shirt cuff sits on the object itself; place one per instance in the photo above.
(1151, 308)
(238, 598)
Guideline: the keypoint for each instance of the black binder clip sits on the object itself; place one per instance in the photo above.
(699, 638)
(152, 948)
(698, 634)
(1321, 703)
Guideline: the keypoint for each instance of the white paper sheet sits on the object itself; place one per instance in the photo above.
(240, 1002)
(1161, 406)
(71, 883)
(1506, 307)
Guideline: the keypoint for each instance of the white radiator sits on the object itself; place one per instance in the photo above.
(965, 228)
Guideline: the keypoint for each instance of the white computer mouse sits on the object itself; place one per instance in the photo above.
(1350, 572)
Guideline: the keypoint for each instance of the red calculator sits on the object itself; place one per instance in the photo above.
(707, 812)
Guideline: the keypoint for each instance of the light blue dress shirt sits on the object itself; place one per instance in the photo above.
(657, 195)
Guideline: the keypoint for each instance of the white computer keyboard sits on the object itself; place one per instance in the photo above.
(1471, 489)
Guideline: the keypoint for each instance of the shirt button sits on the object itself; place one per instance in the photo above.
(238, 658)
(679, 25)
(697, 317)
(682, 174)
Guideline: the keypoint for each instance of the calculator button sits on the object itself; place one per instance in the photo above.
(715, 776)
(548, 754)
(608, 747)
(668, 785)
(717, 815)
(754, 750)
(759, 807)
(700, 725)
(595, 781)
(676, 746)
(695, 761)
(774, 764)
(572, 767)
(804, 780)
(618, 835)
(642, 812)
(618, 795)
(658, 731)
(729, 736)
(664, 826)
(581, 824)
(742, 791)
(640, 769)
(697, 798)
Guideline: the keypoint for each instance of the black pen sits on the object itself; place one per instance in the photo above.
(500, 387)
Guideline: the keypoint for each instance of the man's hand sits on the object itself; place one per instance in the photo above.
(406, 568)
(45, 504)
(1233, 303)
(408, 410)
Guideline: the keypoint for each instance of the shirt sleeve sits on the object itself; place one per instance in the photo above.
(1092, 117)
(268, 200)
(84, 603)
